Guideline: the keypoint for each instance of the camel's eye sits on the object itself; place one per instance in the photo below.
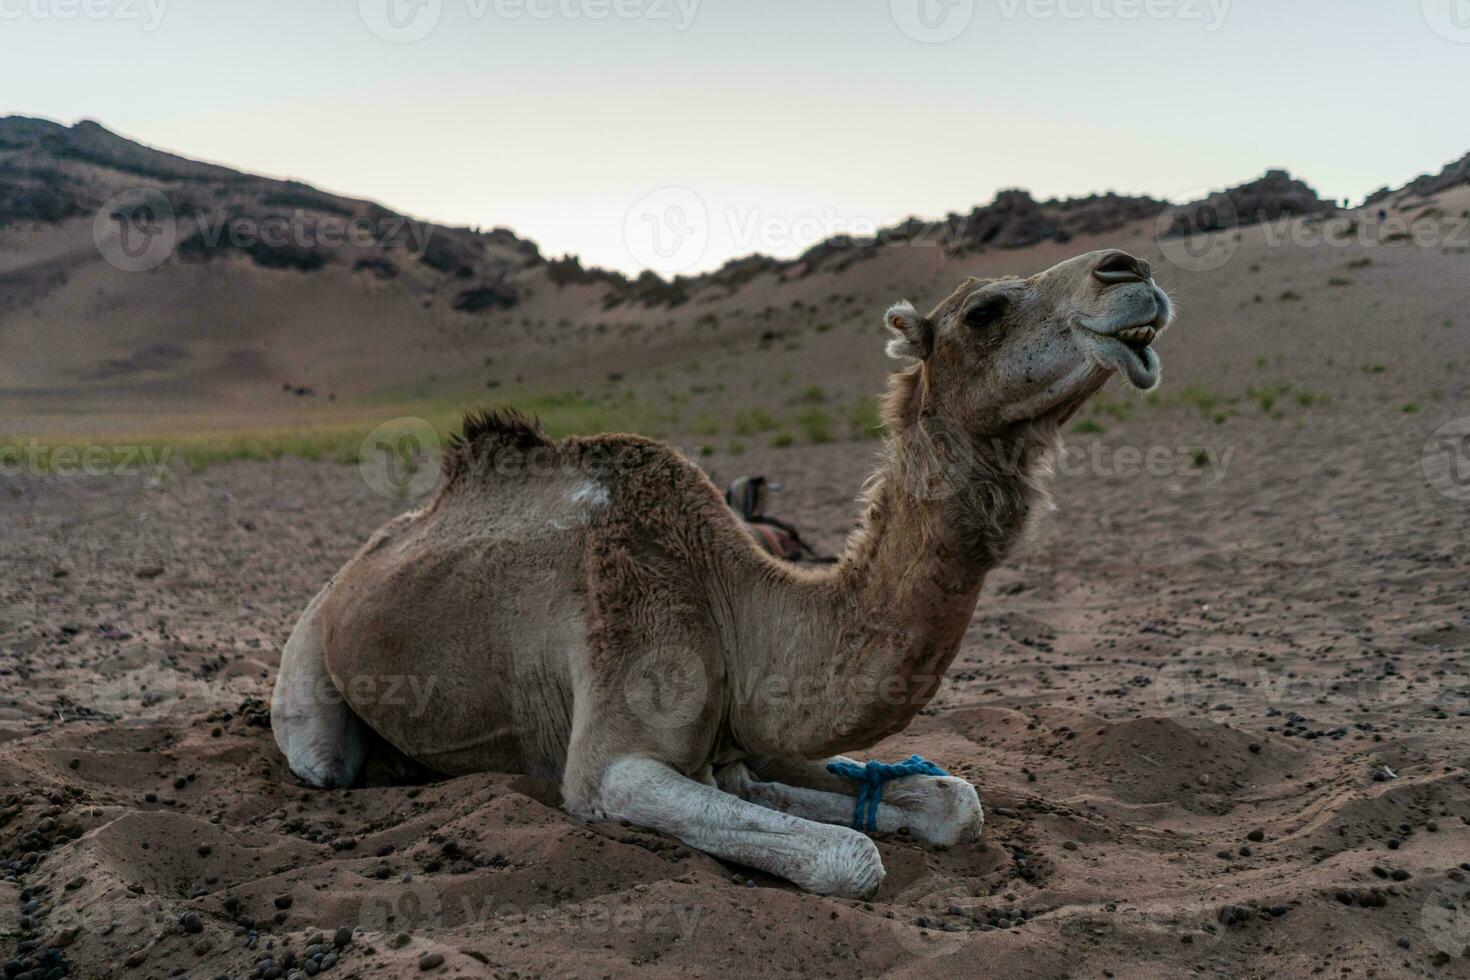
(986, 312)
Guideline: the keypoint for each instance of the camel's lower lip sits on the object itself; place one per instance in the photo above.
(1134, 359)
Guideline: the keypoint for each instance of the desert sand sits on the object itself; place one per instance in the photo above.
(1180, 708)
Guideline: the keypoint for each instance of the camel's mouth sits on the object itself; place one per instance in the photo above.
(1126, 346)
(1129, 352)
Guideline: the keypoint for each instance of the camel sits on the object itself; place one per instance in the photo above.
(588, 610)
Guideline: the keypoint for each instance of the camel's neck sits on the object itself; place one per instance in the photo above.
(887, 621)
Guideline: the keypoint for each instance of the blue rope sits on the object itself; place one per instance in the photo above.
(873, 775)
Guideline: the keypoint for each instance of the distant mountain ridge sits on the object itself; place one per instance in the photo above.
(133, 276)
(1453, 175)
(51, 173)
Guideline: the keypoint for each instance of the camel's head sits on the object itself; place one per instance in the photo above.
(1002, 351)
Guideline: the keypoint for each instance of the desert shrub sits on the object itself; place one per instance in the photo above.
(1267, 397)
(815, 425)
(864, 419)
(753, 421)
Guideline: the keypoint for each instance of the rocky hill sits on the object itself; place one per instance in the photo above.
(133, 276)
(1275, 196)
(1454, 175)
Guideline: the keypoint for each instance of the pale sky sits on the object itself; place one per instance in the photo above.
(778, 122)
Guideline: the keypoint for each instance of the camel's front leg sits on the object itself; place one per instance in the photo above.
(822, 859)
(936, 809)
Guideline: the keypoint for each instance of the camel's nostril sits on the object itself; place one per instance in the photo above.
(1120, 267)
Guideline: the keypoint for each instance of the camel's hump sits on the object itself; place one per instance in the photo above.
(486, 432)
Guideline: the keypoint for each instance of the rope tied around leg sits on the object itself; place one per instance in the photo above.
(872, 775)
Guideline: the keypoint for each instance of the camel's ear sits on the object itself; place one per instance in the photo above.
(914, 335)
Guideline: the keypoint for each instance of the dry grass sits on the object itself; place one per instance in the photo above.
(338, 439)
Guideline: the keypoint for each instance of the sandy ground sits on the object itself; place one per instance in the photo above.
(1217, 720)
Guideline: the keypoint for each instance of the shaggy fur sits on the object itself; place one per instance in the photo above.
(484, 434)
